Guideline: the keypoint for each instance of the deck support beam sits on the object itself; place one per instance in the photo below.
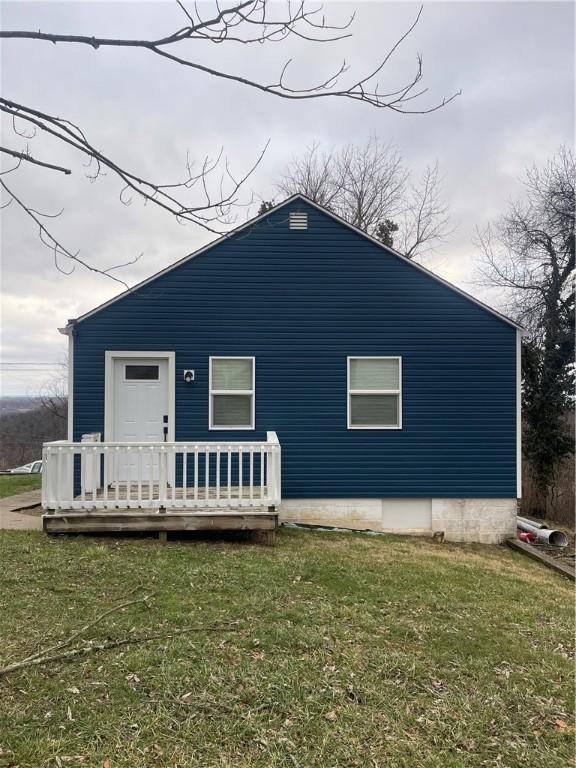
(144, 521)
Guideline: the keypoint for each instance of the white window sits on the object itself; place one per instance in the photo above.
(374, 393)
(231, 404)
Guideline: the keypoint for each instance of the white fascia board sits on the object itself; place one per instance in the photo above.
(334, 216)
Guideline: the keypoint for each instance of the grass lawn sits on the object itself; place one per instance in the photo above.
(12, 484)
(326, 650)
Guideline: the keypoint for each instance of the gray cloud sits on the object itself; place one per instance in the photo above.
(513, 61)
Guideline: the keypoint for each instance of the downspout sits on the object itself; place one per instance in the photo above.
(69, 331)
(518, 414)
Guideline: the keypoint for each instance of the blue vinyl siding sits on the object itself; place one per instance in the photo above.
(301, 302)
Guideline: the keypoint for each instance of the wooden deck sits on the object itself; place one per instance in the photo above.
(203, 514)
(161, 487)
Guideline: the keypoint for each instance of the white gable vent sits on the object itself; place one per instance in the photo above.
(298, 220)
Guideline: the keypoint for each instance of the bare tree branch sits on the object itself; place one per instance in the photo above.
(91, 646)
(217, 189)
(529, 251)
(202, 214)
(255, 14)
(50, 241)
(54, 393)
(426, 220)
(29, 159)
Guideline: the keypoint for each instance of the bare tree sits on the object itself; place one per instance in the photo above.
(310, 175)
(248, 23)
(54, 393)
(425, 221)
(529, 251)
(529, 254)
(370, 186)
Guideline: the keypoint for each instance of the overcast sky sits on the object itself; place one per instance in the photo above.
(514, 62)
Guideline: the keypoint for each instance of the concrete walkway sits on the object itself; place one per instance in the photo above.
(16, 513)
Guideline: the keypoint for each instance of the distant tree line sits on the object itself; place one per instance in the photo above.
(24, 432)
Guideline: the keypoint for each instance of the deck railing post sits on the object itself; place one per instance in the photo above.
(162, 477)
(57, 478)
(67, 493)
(47, 479)
(278, 473)
(91, 464)
(274, 480)
(217, 474)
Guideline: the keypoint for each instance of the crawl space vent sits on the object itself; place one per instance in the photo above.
(298, 220)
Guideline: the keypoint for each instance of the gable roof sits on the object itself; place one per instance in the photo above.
(255, 220)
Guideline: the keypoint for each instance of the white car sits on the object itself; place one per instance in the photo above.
(28, 469)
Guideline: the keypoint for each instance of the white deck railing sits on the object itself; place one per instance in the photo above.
(171, 476)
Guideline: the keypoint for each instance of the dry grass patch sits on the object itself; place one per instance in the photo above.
(483, 557)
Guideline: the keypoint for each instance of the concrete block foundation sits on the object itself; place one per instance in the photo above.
(485, 521)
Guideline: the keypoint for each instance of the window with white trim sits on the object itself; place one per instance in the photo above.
(231, 403)
(374, 393)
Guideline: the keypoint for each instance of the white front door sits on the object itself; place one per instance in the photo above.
(140, 408)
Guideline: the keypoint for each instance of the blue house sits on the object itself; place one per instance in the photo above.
(294, 368)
